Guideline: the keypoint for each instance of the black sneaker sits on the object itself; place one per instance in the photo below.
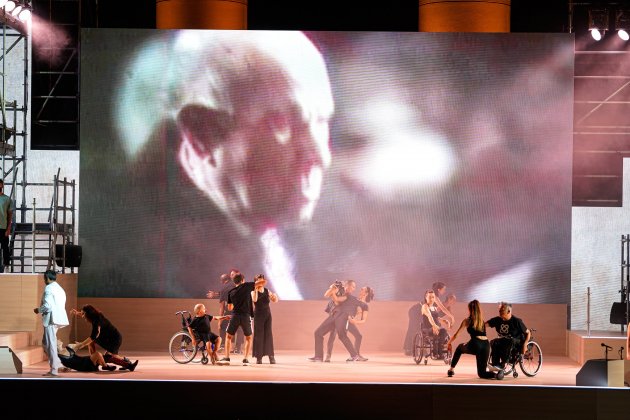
(108, 367)
(245, 362)
(258, 361)
(224, 362)
(132, 366)
(272, 360)
(450, 373)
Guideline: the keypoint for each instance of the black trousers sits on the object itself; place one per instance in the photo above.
(352, 329)
(263, 335)
(501, 348)
(335, 322)
(481, 350)
(4, 244)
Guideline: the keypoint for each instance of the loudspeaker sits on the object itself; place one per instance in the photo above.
(601, 372)
(73, 255)
(9, 362)
(618, 313)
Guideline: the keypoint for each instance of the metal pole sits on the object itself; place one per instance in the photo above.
(588, 311)
(624, 265)
(33, 240)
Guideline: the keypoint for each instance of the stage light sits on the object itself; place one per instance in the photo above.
(16, 13)
(25, 15)
(9, 6)
(596, 34)
(622, 24)
(598, 23)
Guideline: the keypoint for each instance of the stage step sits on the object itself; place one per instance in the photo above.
(15, 340)
(30, 355)
(19, 342)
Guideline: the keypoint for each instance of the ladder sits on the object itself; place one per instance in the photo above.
(40, 244)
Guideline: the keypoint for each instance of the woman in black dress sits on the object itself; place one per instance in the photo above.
(263, 335)
(105, 334)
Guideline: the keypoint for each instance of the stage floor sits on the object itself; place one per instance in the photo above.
(388, 385)
(293, 367)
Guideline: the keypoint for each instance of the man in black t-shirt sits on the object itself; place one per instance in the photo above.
(227, 285)
(239, 301)
(512, 332)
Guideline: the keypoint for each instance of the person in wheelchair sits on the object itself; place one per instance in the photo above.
(200, 329)
(431, 324)
(512, 333)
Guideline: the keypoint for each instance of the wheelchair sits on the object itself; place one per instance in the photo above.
(423, 348)
(180, 345)
(530, 362)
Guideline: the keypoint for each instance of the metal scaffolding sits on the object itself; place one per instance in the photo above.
(32, 241)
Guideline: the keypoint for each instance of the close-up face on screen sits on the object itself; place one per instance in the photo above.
(397, 160)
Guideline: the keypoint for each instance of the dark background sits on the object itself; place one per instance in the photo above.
(327, 15)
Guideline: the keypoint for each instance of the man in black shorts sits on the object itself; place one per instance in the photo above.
(240, 303)
(512, 332)
(228, 285)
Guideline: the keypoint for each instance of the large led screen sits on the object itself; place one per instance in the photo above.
(394, 159)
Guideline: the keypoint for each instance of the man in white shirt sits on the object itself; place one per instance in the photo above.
(54, 316)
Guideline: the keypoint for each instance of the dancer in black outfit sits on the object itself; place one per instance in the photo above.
(431, 323)
(346, 306)
(71, 361)
(227, 285)
(478, 344)
(240, 303)
(365, 295)
(200, 328)
(413, 327)
(105, 334)
(263, 334)
(512, 332)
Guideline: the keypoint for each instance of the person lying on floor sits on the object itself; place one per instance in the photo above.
(90, 363)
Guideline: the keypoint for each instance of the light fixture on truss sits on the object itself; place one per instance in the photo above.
(622, 23)
(16, 13)
(597, 23)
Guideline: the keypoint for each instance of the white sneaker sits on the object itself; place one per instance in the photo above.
(492, 368)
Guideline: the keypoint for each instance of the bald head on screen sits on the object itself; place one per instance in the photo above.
(250, 112)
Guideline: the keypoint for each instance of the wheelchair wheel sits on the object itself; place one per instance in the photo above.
(204, 359)
(418, 349)
(532, 360)
(181, 349)
(509, 368)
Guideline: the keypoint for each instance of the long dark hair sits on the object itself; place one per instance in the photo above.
(476, 316)
(92, 314)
